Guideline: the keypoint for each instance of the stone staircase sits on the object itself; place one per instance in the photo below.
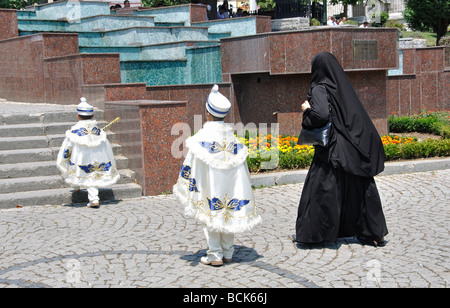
(29, 144)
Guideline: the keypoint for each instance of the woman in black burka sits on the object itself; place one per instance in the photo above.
(340, 197)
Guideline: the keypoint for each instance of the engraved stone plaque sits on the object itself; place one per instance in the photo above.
(365, 50)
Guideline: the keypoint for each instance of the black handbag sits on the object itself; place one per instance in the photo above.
(317, 136)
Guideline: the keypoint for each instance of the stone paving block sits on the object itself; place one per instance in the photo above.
(147, 242)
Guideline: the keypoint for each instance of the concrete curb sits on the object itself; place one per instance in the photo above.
(391, 168)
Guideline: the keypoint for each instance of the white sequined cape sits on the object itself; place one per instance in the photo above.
(214, 183)
(85, 158)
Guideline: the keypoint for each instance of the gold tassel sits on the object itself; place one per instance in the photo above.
(108, 126)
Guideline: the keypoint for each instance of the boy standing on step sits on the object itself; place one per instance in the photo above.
(86, 159)
(214, 183)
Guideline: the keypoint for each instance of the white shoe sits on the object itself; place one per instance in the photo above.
(94, 204)
(207, 261)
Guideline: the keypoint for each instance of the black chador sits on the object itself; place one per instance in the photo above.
(340, 197)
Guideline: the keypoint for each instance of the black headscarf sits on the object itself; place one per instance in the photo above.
(356, 146)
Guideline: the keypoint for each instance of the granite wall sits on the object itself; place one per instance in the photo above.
(262, 98)
(271, 72)
(149, 114)
(145, 133)
(64, 76)
(47, 68)
(424, 83)
(8, 24)
(22, 67)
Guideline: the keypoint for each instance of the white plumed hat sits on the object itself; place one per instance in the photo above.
(217, 104)
(84, 108)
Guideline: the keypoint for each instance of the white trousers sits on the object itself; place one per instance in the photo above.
(220, 245)
(92, 194)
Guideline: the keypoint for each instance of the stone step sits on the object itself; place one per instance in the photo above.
(49, 182)
(38, 129)
(44, 168)
(18, 143)
(67, 196)
(34, 142)
(30, 139)
(68, 114)
(38, 155)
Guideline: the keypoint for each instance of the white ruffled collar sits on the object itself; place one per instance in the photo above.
(217, 146)
(86, 133)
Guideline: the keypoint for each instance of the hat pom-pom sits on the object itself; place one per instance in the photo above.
(215, 88)
(83, 99)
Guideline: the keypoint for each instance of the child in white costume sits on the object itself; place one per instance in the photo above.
(86, 159)
(214, 183)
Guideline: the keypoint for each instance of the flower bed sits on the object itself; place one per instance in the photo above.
(290, 156)
(267, 152)
(432, 122)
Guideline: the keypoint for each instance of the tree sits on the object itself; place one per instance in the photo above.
(13, 4)
(156, 3)
(426, 15)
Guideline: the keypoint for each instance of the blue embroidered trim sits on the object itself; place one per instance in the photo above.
(216, 111)
(85, 110)
(83, 131)
(92, 168)
(216, 147)
(186, 174)
(66, 153)
(234, 204)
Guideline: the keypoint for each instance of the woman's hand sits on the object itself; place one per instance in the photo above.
(305, 106)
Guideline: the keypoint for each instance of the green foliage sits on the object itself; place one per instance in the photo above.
(156, 3)
(431, 122)
(424, 149)
(382, 17)
(293, 160)
(287, 161)
(394, 24)
(428, 15)
(314, 23)
(351, 22)
(347, 2)
(13, 4)
(267, 5)
(434, 122)
(445, 41)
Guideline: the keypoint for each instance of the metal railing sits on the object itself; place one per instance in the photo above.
(292, 8)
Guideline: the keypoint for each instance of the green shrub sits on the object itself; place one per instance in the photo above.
(425, 149)
(394, 24)
(431, 122)
(314, 22)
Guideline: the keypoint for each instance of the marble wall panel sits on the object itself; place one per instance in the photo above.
(8, 24)
(423, 85)
(161, 166)
(291, 52)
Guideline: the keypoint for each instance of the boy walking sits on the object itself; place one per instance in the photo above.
(86, 159)
(214, 183)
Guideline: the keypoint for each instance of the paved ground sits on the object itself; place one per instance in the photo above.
(147, 242)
